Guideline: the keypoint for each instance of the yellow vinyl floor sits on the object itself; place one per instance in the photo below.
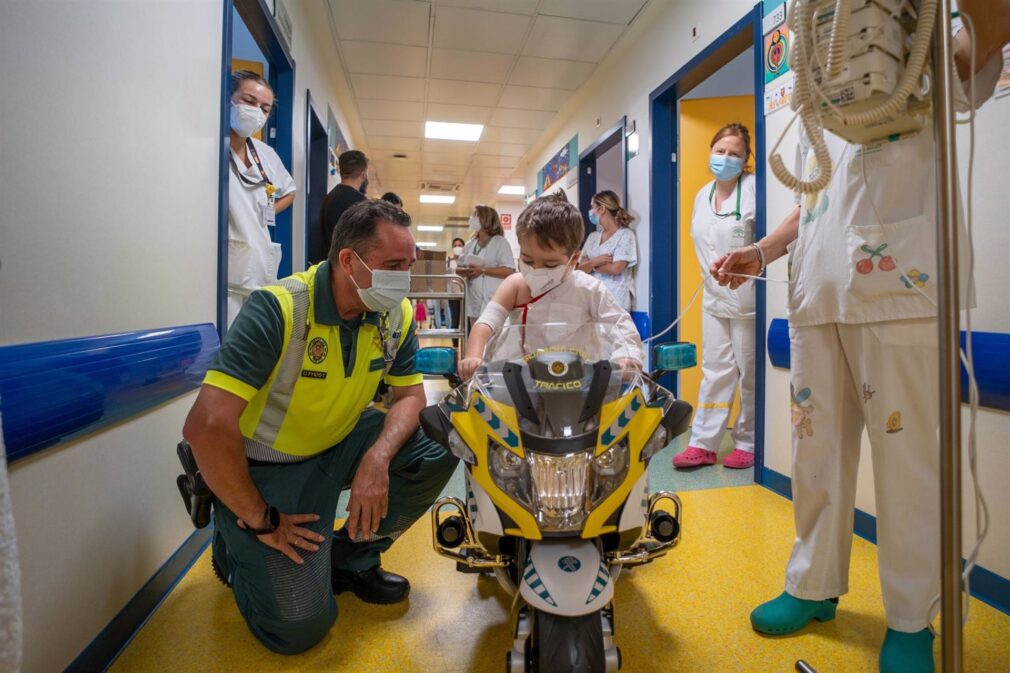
(685, 612)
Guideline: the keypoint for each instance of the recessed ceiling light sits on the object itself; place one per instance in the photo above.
(437, 198)
(426, 244)
(514, 190)
(430, 227)
(453, 131)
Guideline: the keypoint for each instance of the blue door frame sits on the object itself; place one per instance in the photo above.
(278, 131)
(587, 168)
(665, 194)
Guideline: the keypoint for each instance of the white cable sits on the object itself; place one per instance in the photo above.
(687, 308)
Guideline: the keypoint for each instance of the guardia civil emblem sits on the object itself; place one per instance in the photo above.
(318, 350)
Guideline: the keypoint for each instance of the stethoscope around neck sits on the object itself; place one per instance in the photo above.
(711, 201)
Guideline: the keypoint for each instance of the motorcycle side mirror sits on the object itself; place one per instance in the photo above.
(675, 356)
(437, 360)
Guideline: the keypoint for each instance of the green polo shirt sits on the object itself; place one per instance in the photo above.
(340, 372)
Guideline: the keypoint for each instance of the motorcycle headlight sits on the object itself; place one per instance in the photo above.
(560, 484)
(656, 443)
(510, 473)
(610, 469)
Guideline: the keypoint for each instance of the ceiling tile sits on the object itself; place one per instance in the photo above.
(498, 162)
(374, 58)
(511, 6)
(380, 127)
(461, 147)
(461, 114)
(391, 109)
(394, 143)
(463, 93)
(474, 66)
(550, 73)
(397, 21)
(478, 30)
(502, 149)
(384, 87)
(522, 119)
(489, 172)
(612, 11)
(435, 158)
(533, 98)
(498, 134)
(572, 39)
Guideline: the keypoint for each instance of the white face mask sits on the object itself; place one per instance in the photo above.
(542, 281)
(474, 223)
(457, 250)
(389, 288)
(246, 119)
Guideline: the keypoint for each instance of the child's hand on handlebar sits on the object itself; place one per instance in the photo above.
(467, 366)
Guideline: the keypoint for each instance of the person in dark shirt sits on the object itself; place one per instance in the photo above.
(352, 188)
(393, 198)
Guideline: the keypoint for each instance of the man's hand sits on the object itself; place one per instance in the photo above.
(290, 535)
(743, 261)
(369, 496)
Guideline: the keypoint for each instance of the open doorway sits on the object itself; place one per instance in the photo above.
(602, 166)
(252, 40)
(720, 86)
(317, 167)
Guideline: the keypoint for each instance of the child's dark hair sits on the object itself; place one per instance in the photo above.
(552, 221)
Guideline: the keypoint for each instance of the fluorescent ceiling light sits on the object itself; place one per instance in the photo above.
(438, 198)
(453, 131)
(430, 227)
(426, 244)
(514, 190)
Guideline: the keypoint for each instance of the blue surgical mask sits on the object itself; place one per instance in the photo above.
(725, 167)
(594, 218)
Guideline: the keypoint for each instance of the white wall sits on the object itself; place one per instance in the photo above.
(656, 46)
(109, 127)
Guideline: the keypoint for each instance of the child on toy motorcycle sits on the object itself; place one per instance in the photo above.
(549, 290)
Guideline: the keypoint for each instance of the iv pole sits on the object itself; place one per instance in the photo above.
(949, 331)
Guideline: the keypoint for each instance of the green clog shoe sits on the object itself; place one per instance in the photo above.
(788, 614)
(907, 652)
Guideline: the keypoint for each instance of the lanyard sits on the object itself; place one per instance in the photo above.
(712, 202)
(526, 309)
(259, 164)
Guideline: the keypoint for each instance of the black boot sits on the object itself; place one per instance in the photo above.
(374, 585)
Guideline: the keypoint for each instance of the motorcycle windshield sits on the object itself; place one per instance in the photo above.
(557, 376)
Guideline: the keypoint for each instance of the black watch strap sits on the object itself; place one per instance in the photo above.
(273, 520)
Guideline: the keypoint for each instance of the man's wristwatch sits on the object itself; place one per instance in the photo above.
(273, 520)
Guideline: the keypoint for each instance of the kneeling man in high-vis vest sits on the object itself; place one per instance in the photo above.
(281, 425)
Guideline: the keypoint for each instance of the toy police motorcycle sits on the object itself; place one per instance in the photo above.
(556, 431)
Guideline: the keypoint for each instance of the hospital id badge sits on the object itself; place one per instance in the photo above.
(268, 214)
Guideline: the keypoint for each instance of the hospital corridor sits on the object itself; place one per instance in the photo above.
(544, 336)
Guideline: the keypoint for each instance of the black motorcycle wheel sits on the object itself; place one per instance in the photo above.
(568, 644)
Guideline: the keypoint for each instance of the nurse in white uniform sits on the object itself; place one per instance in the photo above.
(259, 187)
(485, 262)
(723, 221)
(864, 356)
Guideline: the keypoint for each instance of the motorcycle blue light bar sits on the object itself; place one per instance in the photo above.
(671, 357)
(436, 360)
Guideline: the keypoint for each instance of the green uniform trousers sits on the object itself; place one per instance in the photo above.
(290, 607)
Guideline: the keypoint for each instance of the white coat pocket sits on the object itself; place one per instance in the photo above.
(895, 259)
(239, 263)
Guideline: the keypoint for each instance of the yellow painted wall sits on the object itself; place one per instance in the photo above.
(699, 120)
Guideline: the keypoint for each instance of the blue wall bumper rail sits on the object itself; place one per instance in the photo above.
(992, 363)
(55, 391)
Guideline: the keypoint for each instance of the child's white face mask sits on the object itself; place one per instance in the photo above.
(542, 281)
